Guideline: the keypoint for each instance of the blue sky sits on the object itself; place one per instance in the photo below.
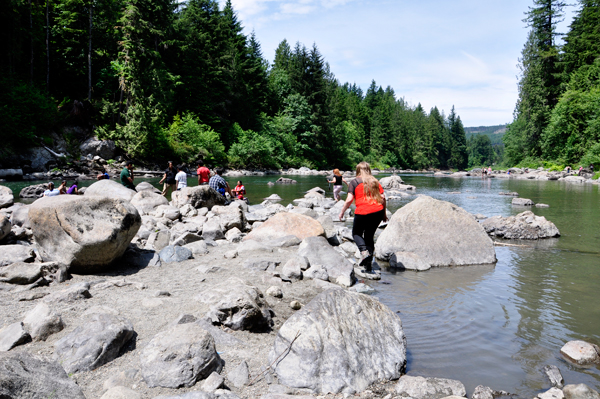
(462, 52)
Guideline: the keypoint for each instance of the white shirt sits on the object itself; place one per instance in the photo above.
(181, 179)
(51, 193)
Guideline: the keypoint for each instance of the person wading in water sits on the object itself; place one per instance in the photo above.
(338, 182)
(369, 213)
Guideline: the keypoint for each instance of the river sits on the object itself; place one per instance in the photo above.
(492, 325)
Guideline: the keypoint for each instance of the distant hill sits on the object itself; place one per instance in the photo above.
(495, 133)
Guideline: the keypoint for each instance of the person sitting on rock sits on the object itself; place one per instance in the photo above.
(51, 192)
(239, 190)
(62, 189)
(219, 184)
(169, 179)
(103, 176)
(73, 189)
(180, 178)
(127, 176)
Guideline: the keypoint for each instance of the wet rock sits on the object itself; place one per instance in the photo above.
(213, 382)
(197, 248)
(362, 288)
(580, 391)
(429, 388)
(171, 254)
(6, 197)
(283, 224)
(11, 336)
(41, 322)
(179, 357)
(16, 253)
(439, 232)
(96, 342)
(285, 180)
(239, 376)
(5, 227)
(318, 252)
(147, 201)
(552, 393)
(408, 261)
(34, 191)
(580, 352)
(87, 233)
(331, 354)
(110, 189)
(522, 202)
(554, 375)
(198, 197)
(74, 293)
(524, 226)
(25, 376)
(238, 306)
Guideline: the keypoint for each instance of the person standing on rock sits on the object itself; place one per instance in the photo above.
(369, 213)
(169, 179)
(338, 181)
(203, 173)
(127, 176)
(181, 178)
(51, 192)
(219, 184)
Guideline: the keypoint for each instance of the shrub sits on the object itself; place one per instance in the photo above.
(190, 140)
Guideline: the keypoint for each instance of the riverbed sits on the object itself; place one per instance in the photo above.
(491, 325)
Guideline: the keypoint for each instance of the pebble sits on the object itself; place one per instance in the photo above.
(231, 254)
(275, 292)
(295, 305)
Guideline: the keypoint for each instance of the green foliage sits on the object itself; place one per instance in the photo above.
(191, 140)
(480, 151)
(592, 157)
(252, 150)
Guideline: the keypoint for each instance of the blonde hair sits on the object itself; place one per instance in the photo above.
(337, 172)
(370, 184)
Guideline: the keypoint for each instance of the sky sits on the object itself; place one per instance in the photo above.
(461, 53)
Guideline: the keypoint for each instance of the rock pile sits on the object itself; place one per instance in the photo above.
(524, 226)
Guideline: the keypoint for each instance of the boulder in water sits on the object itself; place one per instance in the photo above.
(524, 226)
(34, 191)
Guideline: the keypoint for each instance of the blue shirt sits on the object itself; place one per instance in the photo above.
(218, 183)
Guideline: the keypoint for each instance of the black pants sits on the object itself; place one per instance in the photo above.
(364, 229)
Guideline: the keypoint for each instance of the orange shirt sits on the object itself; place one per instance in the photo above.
(363, 206)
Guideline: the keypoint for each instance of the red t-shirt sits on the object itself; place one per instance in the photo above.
(204, 174)
(363, 206)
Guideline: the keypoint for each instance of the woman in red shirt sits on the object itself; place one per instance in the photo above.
(370, 211)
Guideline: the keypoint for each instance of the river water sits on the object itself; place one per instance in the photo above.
(492, 325)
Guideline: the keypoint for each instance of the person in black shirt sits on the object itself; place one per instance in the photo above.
(338, 182)
(169, 179)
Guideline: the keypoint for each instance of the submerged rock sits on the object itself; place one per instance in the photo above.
(524, 226)
(522, 202)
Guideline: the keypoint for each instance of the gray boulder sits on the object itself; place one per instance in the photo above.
(26, 273)
(197, 248)
(110, 189)
(170, 254)
(330, 351)
(579, 391)
(429, 388)
(87, 233)
(581, 353)
(230, 216)
(145, 186)
(34, 191)
(75, 292)
(6, 197)
(198, 197)
(179, 357)
(554, 375)
(239, 376)
(292, 270)
(524, 226)
(20, 217)
(408, 261)
(147, 201)
(5, 227)
(439, 232)
(285, 223)
(522, 202)
(212, 229)
(16, 253)
(13, 335)
(394, 183)
(103, 148)
(41, 322)
(237, 305)
(98, 341)
(25, 376)
(318, 252)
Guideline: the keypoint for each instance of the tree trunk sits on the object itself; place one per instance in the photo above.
(47, 49)
(90, 56)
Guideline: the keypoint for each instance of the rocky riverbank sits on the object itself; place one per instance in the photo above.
(568, 176)
(118, 294)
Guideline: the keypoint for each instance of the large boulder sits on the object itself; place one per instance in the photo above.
(10, 254)
(5, 226)
(581, 353)
(20, 217)
(96, 342)
(524, 226)
(146, 201)
(179, 357)
(145, 186)
(230, 216)
(198, 197)
(26, 376)
(439, 232)
(87, 233)
(103, 148)
(580, 391)
(35, 191)
(6, 197)
(285, 223)
(318, 252)
(340, 342)
(394, 183)
(110, 189)
(429, 388)
(237, 305)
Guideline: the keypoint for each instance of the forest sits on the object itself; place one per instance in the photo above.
(557, 116)
(165, 79)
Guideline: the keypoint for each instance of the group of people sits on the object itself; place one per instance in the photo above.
(485, 172)
(62, 189)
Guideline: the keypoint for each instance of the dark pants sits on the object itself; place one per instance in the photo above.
(364, 229)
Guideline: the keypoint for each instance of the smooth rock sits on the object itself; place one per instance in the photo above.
(580, 352)
(408, 261)
(331, 353)
(524, 226)
(429, 388)
(25, 376)
(27, 273)
(198, 197)
(522, 202)
(197, 248)
(213, 382)
(120, 392)
(73, 293)
(579, 391)
(239, 376)
(145, 186)
(147, 201)
(96, 342)
(11, 336)
(237, 305)
(20, 217)
(179, 357)
(41, 322)
(6, 197)
(318, 252)
(439, 232)
(274, 292)
(10, 254)
(295, 305)
(292, 270)
(212, 230)
(283, 224)
(170, 254)
(5, 227)
(87, 233)
(110, 189)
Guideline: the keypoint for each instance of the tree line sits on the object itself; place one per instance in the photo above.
(557, 115)
(166, 79)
